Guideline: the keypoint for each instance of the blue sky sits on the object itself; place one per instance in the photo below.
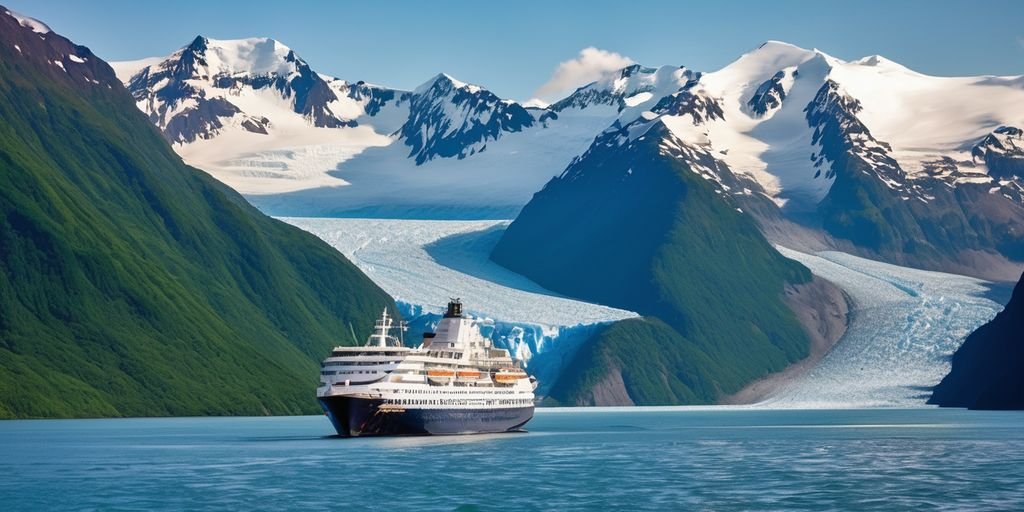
(514, 47)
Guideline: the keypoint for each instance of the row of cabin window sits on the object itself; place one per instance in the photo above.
(445, 391)
(448, 355)
(349, 372)
(413, 401)
(356, 363)
(348, 354)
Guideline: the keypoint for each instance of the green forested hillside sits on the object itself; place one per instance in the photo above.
(131, 284)
(630, 227)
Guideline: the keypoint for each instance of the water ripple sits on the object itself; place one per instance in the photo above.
(693, 459)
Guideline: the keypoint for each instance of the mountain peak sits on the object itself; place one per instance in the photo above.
(255, 55)
(765, 62)
(774, 44)
(198, 44)
(449, 118)
(780, 51)
(627, 87)
(878, 61)
(29, 23)
(192, 93)
(446, 80)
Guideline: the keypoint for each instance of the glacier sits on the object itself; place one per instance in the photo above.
(904, 326)
(423, 264)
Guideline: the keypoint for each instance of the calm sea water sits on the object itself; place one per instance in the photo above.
(677, 459)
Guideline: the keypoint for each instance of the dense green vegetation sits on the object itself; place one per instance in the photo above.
(659, 240)
(131, 284)
(658, 365)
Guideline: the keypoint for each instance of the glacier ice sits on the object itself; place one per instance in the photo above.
(423, 264)
(905, 323)
(904, 326)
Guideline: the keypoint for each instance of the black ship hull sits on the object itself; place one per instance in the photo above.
(353, 417)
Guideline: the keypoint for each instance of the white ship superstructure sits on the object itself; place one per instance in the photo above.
(455, 382)
(353, 366)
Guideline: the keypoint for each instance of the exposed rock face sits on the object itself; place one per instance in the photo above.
(921, 221)
(988, 369)
(448, 118)
(822, 309)
(1003, 152)
(616, 90)
(769, 95)
(609, 392)
(66, 62)
(373, 97)
(700, 108)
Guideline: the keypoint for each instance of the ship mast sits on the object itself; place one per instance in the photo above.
(382, 330)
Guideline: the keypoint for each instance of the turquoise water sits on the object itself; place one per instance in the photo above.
(676, 459)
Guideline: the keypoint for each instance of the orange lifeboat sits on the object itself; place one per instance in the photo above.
(509, 376)
(440, 375)
(468, 374)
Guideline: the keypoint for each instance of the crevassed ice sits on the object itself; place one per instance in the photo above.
(905, 325)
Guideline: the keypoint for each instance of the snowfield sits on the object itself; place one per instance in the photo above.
(905, 324)
(385, 182)
(423, 264)
(289, 161)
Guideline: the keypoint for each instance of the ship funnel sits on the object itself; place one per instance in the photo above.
(454, 309)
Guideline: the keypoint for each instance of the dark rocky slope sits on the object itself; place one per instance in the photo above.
(988, 369)
(925, 222)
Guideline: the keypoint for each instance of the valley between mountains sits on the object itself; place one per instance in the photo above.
(903, 322)
(791, 230)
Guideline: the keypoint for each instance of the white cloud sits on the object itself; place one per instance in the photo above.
(588, 66)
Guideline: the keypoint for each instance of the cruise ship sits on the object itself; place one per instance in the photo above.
(455, 382)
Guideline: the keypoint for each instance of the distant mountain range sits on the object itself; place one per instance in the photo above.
(865, 156)
(132, 284)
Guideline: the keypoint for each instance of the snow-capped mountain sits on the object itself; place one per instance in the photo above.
(255, 115)
(866, 153)
(448, 118)
(780, 101)
(629, 87)
(939, 187)
(190, 94)
(373, 101)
